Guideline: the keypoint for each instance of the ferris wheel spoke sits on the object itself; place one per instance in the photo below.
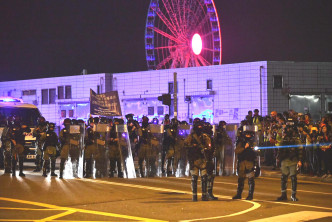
(165, 47)
(197, 62)
(207, 49)
(206, 35)
(169, 24)
(202, 23)
(164, 62)
(203, 61)
(171, 14)
(166, 35)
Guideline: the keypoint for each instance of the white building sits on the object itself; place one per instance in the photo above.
(224, 92)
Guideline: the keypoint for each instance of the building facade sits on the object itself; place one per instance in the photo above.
(224, 92)
(59, 97)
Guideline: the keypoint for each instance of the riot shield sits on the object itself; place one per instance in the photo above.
(183, 165)
(157, 166)
(100, 169)
(230, 161)
(125, 151)
(74, 165)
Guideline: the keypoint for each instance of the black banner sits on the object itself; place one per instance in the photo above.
(106, 104)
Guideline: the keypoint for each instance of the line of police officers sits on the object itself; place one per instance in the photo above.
(199, 147)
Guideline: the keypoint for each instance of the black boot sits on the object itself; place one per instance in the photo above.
(294, 186)
(140, 163)
(283, 196)
(37, 164)
(14, 167)
(62, 166)
(251, 183)
(20, 165)
(8, 164)
(210, 188)
(45, 168)
(88, 167)
(204, 188)
(53, 168)
(240, 185)
(194, 187)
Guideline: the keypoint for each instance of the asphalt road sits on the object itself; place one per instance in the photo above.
(35, 198)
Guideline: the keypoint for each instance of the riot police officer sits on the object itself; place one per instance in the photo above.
(100, 155)
(117, 145)
(173, 151)
(290, 158)
(18, 132)
(145, 149)
(246, 161)
(210, 163)
(38, 132)
(165, 143)
(50, 140)
(70, 146)
(7, 145)
(221, 140)
(198, 143)
(90, 148)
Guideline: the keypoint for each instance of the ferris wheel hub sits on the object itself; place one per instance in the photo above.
(196, 44)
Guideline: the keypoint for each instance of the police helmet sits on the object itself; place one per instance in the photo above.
(51, 126)
(41, 120)
(67, 121)
(74, 122)
(145, 119)
(129, 116)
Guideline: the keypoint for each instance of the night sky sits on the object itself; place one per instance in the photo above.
(61, 37)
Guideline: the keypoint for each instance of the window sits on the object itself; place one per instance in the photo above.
(209, 84)
(160, 110)
(63, 113)
(52, 96)
(98, 89)
(68, 92)
(277, 82)
(28, 92)
(171, 88)
(71, 113)
(329, 106)
(151, 111)
(44, 96)
(60, 92)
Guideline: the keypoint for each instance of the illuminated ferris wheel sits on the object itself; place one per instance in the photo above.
(182, 33)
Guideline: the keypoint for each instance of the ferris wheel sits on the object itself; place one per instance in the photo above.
(182, 33)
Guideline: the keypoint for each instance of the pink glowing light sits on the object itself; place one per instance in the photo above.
(196, 44)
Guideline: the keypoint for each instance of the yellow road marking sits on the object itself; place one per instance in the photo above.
(57, 215)
(36, 209)
(78, 210)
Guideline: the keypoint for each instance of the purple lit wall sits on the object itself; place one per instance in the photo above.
(236, 88)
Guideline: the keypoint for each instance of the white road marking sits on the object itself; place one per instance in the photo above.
(254, 207)
(297, 216)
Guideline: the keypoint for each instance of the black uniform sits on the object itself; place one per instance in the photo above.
(51, 141)
(198, 143)
(246, 157)
(18, 132)
(289, 158)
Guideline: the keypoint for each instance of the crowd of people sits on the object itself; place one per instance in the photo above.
(290, 141)
(314, 137)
